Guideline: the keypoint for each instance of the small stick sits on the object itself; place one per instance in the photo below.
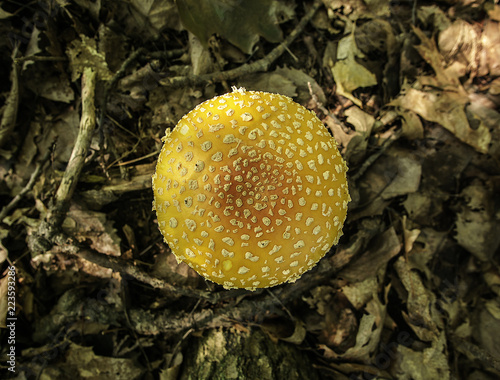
(260, 65)
(9, 117)
(87, 125)
(127, 268)
(103, 101)
(370, 160)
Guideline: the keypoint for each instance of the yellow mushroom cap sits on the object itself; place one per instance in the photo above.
(250, 189)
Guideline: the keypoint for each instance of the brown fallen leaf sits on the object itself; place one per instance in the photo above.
(442, 98)
(423, 316)
(477, 222)
(428, 363)
(93, 226)
(446, 108)
(382, 249)
(348, 73)
(85, 363)
(363, 124)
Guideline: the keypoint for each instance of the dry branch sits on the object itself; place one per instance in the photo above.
(256, 305)
(129, 269)
(79, 153)
(60, 204)
(9, 116)
(260, 65)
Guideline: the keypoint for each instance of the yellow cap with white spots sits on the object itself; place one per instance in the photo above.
(250, 190)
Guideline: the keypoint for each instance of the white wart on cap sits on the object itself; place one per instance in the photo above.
(250, 190)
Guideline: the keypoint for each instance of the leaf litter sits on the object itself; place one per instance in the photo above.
(411, 93)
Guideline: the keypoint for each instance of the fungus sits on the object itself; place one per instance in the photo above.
(250, 190)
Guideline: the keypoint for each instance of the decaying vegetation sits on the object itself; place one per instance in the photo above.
(410, 90)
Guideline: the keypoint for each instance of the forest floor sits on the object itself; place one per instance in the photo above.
(411, 92)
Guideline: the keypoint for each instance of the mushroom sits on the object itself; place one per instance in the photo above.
(250, 189)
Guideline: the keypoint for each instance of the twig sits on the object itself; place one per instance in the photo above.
(34, 176)
(104, 101)
(321, 107)
(151, 324)
(475, 352)
(66, 246)
(79, 153)
(283, 294)
(169, 54)
(249, 309)
(254, 306)
(260, 65)
(9, 116)
(137, 340)
(176, 349)
(414, 12)
(370, 160)
(126, 268)
(152, 154)
(43, 239)
(121, 71)
(40, 58)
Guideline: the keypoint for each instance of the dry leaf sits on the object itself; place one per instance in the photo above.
(269, 82)
(360, 292)
(358, 142)
(284, 330)
(350, 75)
(93, 226)
(412, 125)
(342, 135)
(241, 23)
(446, 108)
(430, 363)
(369, 332)
(172, 372)
(83, 53)
(477, 223)
(359, 8)
(82, 361)
(490, 40)
(422, 316)
(390, 176)
(384, 248)
(460, 42)
(442, 99)
(4, 253)
(153, 16)
(407, 179)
